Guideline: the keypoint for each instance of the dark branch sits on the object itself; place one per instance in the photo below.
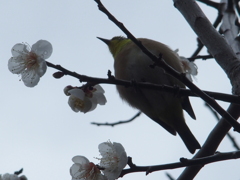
(161, 63)
(169, 176)
(203, 57)
(117, 123)
(231, 138)
(18, 172)
(112, 80)
(210, 3)
(183, 163)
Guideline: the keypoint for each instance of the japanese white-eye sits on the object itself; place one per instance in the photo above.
(165, 108)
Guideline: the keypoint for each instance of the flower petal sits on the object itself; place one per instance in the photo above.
(101, 99)
(122, 155)
(111, 175)
(80, 160)
(30, 78)
(41, 70)
(105, 149)
(19, 49)
(74, 169)
(71, 102)
(94, 103)
(77, 93)
(87, 106)
(193, 68)
(99, 89)
(42, 48)
(16, 64)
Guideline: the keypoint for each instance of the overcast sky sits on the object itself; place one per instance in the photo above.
(39, 131)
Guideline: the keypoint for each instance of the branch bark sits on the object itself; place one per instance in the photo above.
(211, 144)
(225, 57)
(215, 43)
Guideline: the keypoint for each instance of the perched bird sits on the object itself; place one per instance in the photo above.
(166, 109)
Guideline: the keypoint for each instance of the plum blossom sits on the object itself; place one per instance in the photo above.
(82, 169)
(85, 100)
(190, 68)
(30, 62)
(8, 176)
(114, 159)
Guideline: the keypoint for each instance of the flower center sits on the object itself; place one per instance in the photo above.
(79, 103)
(110, 162)
(31, 61)
(92, 171)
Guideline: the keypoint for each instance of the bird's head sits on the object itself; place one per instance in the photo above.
(115, 44)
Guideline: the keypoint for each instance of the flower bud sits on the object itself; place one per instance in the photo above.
(58, 74)
(66, 89)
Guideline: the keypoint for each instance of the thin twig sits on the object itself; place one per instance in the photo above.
(18, 172)
(203, 57)
(231, 138)
(112, 80)
(117, 123)
(183, 163)
(169, 176)
(210, 3)
(161, 63)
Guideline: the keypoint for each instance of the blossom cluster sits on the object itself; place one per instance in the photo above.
(86, 99)
(29, 63)
(8, 176)
(114, 159)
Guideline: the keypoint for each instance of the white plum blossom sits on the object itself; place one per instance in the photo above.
(8, 176)
(30, 62)
(190, 68)
(82, 169)
(114, 159)
(86, 100)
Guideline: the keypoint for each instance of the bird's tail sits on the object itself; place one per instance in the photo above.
(188, 138)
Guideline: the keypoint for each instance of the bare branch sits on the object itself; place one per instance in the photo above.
(18, 172)
(210, 3)
(203, 57)
(183, 163)
(231, 138)
(211, 144)
(112, 80)
(215, 43)
(169, 176)
(161, 63)
(117, 123)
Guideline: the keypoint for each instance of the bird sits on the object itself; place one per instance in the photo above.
(165, 108)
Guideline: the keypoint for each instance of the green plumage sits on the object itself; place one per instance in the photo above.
(166, 109)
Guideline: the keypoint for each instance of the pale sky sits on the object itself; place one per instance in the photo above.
(39, 131)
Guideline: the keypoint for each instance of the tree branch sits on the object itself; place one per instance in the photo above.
(184, 162)
(215, 43)
(112, 80)
(211, 144)
(161, 63)
(210, 3)
(117, 123)
(228, 134)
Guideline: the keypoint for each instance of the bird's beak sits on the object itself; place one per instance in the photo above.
(104, 40)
